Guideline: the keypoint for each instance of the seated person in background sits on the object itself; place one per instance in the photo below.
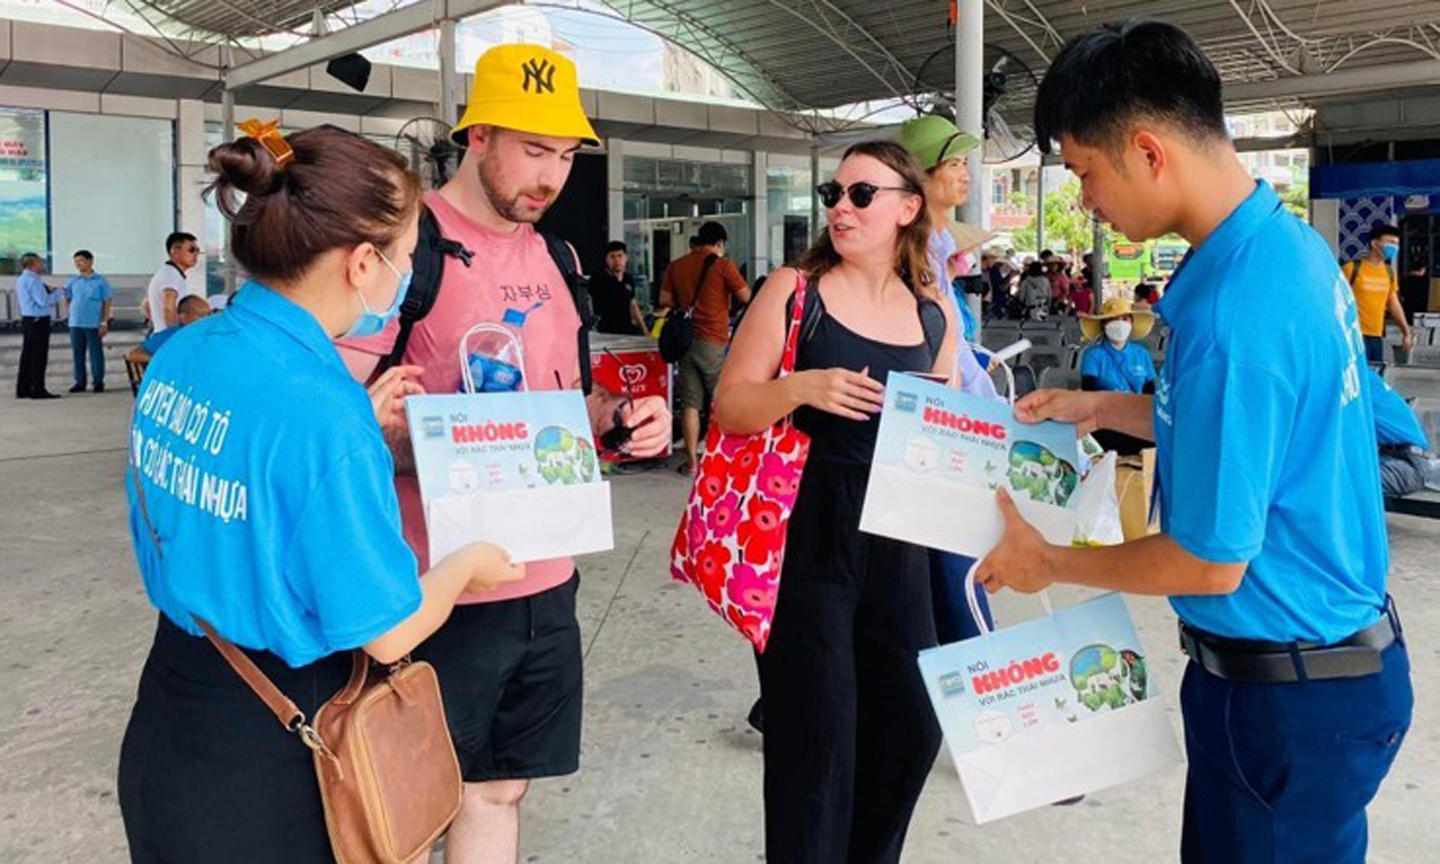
(192, 308)
(1115, 363)
(1406, 464)
(1145, 295)
(1081, 297)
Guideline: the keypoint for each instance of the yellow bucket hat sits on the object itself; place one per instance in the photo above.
(1142, 322)
(528, 88)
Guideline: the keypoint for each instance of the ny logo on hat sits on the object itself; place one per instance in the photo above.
(542, 73)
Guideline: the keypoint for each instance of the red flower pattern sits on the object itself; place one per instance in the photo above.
(762, 534)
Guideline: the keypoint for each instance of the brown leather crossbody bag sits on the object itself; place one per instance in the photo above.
(386, 766)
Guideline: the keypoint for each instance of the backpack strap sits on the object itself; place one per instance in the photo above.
(932, 322)
(431, 250)
(1355, 274)
(564, 258)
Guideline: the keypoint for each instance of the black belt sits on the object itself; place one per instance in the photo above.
(1253, 661)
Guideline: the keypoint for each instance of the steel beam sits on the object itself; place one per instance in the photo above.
(357, 37)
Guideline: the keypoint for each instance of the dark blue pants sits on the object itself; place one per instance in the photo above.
(1282, 773)
(1375, 349)
(85, 340)
(953, 619)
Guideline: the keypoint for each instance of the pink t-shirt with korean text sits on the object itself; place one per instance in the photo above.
(509, 271)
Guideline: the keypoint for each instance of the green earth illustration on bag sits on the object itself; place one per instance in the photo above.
(563, 457)
(1103, 677)
(1036, 471)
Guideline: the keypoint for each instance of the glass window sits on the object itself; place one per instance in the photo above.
(23, 201)
(113, 180)
(788, 212)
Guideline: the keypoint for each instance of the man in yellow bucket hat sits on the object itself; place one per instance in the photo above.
(509, 661)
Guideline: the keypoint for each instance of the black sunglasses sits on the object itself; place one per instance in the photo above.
(861, 194)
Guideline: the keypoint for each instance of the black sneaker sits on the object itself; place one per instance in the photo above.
(44, 394)
(99, 388)
(78, 388)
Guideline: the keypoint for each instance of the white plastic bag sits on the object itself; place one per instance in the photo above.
(1098, 512)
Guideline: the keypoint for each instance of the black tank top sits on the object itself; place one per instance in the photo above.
(828, 344)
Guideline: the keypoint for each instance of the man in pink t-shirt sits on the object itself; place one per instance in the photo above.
(509, 661)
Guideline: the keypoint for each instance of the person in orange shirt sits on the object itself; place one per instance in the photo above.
(1372, 278)
(703, 281)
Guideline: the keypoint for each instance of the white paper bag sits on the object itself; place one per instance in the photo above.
(939, 456)
(530, 524)
(1059, 706)
(515, 469)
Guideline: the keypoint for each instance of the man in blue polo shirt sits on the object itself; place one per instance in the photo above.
(89, 297)
(1273, 547)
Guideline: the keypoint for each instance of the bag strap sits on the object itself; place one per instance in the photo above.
(284, 709)
(700, 283)
(792, 336)
(974, 600)
(564, 258)
(431, 250)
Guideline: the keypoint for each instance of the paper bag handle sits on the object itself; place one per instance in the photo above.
(974, 600)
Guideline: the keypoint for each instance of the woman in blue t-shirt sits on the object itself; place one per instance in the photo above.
(1116, 363)
(262, 502)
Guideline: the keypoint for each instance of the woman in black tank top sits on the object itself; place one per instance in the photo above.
(849, 733)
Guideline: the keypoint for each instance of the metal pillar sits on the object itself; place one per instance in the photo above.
(227, 131)
(969, 99)
(814, 197)
(759, 216)
(449, 75)
(1097, 261)
(1040, 208)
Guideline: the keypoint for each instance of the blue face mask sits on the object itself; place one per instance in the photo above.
(369, 323)
(1390, 253)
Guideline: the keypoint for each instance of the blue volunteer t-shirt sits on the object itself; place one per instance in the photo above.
(1264, 432)
(268, 481)
(1120, 370)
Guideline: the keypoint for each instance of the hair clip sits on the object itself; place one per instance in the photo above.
(268, 134)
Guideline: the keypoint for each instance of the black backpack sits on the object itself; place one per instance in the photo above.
(678, 332)
(431, 250)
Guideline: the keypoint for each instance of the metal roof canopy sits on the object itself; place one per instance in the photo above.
(800, 55)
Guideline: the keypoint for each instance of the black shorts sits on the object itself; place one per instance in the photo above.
(510, 672)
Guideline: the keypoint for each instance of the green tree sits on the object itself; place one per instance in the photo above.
(1296, 198)
(1066, 222)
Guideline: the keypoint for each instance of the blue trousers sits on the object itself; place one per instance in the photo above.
(1375, 349)
(87, 340)
(1282, 773)
(953, 619)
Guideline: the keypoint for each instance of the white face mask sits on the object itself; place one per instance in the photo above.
(1117, 331)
